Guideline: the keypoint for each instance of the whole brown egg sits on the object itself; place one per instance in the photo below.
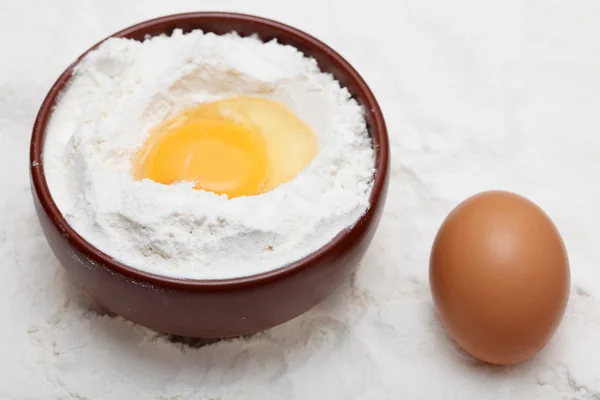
(499, 276)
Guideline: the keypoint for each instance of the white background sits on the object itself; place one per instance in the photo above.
(477, 95)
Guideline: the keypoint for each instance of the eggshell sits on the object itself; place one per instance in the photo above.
(499, 276)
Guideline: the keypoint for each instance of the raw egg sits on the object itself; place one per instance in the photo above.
(240, 146)
(499, 276)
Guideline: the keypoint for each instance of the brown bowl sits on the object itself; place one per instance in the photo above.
(228, 307)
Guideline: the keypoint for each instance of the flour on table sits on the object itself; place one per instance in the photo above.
(476, 95)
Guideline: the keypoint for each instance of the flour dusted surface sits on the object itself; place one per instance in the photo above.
(470, 90)
(124, 88)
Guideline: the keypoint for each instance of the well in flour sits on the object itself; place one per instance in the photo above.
(124, 88)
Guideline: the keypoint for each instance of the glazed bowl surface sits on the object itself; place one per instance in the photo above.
(227, 307)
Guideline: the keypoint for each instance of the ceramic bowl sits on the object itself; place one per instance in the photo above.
(228, 307)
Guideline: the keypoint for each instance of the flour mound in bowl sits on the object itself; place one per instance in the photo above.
(121, 90)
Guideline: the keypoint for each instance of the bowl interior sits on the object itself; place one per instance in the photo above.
(220, 23)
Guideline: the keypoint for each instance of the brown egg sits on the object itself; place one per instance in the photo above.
(499, 276)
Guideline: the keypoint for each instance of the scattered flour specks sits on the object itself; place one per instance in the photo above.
(477, 95)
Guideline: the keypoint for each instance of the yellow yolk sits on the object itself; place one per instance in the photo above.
(219, 156)
(242, 146)
(291, 144)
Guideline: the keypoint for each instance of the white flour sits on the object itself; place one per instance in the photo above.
(123, 89)
(477, 95)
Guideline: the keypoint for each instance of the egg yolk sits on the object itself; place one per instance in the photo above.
(219, 156)
(241, 146)
(291, 143)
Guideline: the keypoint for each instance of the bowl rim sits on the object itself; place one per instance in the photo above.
(377, 128)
